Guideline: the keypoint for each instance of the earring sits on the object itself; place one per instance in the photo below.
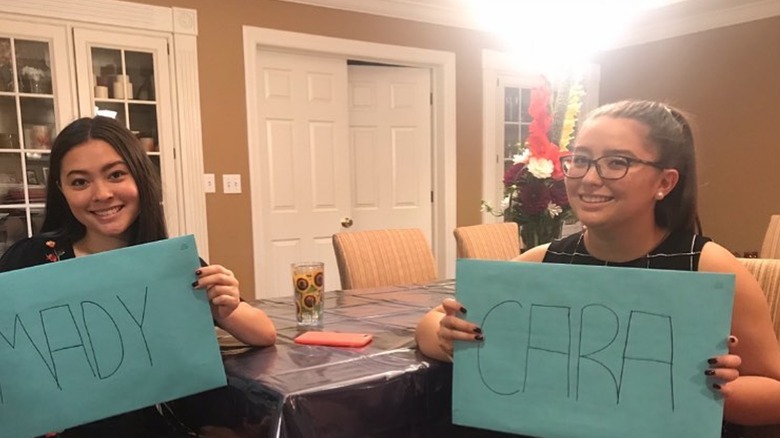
(659, 196)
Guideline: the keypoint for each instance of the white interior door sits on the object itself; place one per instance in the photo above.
(305, 167)
(318, 167)
(390, 146)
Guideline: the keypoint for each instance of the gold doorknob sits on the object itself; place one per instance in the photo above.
(346, 222)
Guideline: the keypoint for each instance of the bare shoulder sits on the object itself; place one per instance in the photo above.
(715, 258)
(749, 299)
(535, 254)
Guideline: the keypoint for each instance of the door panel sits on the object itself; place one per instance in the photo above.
(320, 167)
(303, 120)
(390, 145)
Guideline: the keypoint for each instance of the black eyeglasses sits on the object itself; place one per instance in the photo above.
(609, 167)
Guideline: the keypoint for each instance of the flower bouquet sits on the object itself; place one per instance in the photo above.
(535, 195)
(36, 79)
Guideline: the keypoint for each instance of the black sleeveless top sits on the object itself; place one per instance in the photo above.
(680, 251)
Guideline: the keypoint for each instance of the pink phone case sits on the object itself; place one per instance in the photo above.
(334, 339)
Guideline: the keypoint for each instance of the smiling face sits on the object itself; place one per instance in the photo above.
(629, 200)
(99, 189)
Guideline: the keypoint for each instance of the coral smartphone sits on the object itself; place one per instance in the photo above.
(334, 339)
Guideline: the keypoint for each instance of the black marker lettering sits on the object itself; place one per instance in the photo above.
(100, 308)
(479, 362)
(140, 324)
(60, 332)
(551, 311)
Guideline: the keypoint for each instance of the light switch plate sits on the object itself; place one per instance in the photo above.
(209, 183)
(231, 183)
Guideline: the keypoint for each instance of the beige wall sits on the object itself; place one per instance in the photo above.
(728, 78)
(220, 52)
(729, 81)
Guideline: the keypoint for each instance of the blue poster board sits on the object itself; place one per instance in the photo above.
(91, 337)
(590, 351)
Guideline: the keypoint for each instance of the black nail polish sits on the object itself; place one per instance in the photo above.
(463, 310)
(479, 338)
(716, 386)
(478, 330)
(195, 283)
(712, 361)
(709, 372)
(198, 272)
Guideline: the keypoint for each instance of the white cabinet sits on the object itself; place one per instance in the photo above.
(35, 102)
(127, 76)
(79, 58)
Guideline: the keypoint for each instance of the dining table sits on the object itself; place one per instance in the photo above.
(385, 389)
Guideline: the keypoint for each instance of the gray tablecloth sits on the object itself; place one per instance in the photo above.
(386, 389)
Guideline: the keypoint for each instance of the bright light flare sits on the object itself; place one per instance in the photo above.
(558, 33)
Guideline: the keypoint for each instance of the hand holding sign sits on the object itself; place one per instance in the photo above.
(600, 351)
(91, 337)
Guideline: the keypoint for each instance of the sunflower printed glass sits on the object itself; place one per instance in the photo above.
(309, 284)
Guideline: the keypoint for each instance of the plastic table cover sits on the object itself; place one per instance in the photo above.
(386, 389)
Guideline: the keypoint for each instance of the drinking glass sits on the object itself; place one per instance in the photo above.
(309, 285)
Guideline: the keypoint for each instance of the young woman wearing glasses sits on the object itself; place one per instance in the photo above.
(631, 180)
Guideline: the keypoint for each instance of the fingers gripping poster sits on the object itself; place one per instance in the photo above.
(590, 351)
(96, 336)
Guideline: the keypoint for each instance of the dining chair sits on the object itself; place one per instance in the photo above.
(386, 257)
(499, 241)
(770, 249)
(767, 272)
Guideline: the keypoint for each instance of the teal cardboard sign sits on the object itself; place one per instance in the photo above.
(590, 351)
(91, 337)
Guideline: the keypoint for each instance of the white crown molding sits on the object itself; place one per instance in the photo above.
(670, 26)
(107, 12)
(677, 18)
(444, 12)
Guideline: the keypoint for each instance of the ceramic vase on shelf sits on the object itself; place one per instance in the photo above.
(540, 231)
(122, 87)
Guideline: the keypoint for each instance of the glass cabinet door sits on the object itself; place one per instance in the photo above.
(33, 106)
(125, 76)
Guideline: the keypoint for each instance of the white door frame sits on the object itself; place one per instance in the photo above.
(494, 65)
(442, 65)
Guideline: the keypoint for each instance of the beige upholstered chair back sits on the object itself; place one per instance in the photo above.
(770, 249)
(383, 257)
(767, 272)
(488, 241)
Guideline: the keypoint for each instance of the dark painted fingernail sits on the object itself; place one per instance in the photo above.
(198, 272)
(709, 372)
(195, 283)
(732, 339)
(712, 361)
(477, 330)
(479, 338)
(463, 310)
(716, 386)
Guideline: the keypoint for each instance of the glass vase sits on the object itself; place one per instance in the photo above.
(540, 231)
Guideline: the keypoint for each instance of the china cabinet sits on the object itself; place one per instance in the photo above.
(80, 58)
